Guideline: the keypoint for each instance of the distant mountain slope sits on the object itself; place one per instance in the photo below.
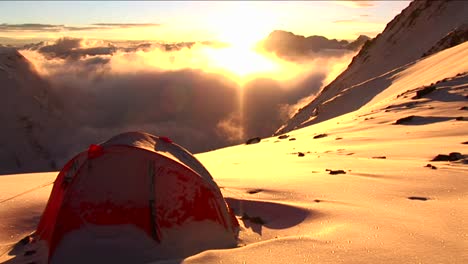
(406, 38)
(291, 46)
(29, 115)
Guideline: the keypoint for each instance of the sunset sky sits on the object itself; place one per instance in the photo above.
(193, 21)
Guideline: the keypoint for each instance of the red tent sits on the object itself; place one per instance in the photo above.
(134, 195)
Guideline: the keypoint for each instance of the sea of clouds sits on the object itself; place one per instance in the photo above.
(172, 89)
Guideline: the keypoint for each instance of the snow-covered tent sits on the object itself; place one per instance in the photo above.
(134, 197)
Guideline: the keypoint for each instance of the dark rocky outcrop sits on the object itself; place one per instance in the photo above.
(454, 156)
(253, 141)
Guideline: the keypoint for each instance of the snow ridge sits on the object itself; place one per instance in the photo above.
(30, 116)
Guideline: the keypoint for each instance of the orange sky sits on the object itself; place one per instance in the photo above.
(232, 21)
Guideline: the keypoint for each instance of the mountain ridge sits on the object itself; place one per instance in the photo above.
(404, 40)
(290, 46)
(30, 114)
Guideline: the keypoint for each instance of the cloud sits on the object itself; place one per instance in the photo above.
(108, 88)
(357, 22)
(345, 21)
(360, 3)
(368, 28)
(127, 25)
(356, 3)
(72, 48)
(30, 27)
(75, 48)
(83, 28)
(58, 28)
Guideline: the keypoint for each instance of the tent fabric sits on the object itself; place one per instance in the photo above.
(161, 146)
(138, 179)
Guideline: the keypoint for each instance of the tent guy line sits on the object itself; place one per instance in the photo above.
(26, 192)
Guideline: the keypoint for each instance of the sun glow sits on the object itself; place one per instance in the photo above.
(242, 26)
(241, 62)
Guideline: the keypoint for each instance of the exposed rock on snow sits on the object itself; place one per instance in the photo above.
(424, 91)
(335, 172)
(320, 136)
(404, 120)
(453, 156)
(418, 198)
(254, 191)
(253, 141)
(431, 166)
(283, 136)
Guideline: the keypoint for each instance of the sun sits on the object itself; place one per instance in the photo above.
(243, 24)
(241, 63)
(242, 27)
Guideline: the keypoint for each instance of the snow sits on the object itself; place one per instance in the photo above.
(115, 244)
(387, 207)
(28, 131)
(128, 244)
(405, 39)
(390, 84)
(22, 200)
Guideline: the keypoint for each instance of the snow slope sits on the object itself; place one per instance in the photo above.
(30, 116)
(406, 38)
(356, 188)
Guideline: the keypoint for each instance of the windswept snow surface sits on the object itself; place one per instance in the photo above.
(22, 199)
(358, 188)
